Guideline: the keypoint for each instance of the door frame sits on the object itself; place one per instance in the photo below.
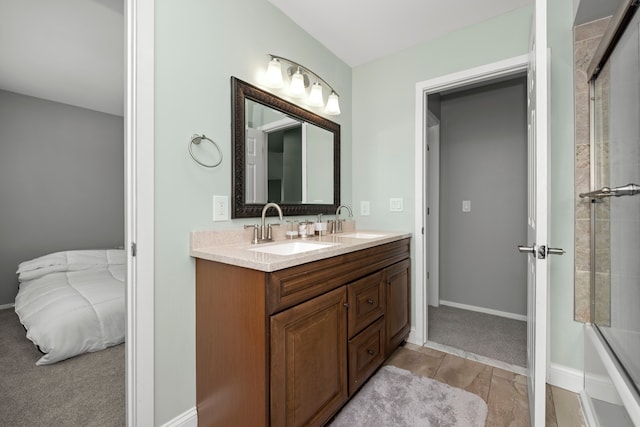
(424, 247)
(139, 210)
(432, 192)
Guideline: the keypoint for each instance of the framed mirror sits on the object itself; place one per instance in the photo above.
(282, 153)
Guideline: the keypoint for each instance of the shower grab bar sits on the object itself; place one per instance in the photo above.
(624, 190)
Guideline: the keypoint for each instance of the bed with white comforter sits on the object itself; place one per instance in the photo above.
(73, 302)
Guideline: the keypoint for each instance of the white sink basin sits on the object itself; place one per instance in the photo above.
(292, 248)
(362, 235)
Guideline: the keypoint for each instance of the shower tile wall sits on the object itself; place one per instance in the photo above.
(601, 304)
(586, 40)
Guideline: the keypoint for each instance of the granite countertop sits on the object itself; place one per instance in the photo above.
(234, 247)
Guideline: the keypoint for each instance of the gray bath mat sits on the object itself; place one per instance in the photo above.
(394, 397)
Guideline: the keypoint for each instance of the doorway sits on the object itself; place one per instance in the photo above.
(468, 272)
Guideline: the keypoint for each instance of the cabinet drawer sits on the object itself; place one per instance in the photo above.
(366, 354)
(366, 302)
(291, 286)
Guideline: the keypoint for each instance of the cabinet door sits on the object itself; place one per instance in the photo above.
(309, 361)
(398, 300)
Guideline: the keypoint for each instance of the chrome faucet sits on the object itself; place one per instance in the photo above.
(265, 230)
(337, 227)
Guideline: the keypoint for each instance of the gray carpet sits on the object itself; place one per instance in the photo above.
(87, 390)
(394, 397)
(483, 334)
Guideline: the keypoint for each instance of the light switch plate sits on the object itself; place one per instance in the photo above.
(220, 208)
(466, 206)
(364, 208)
(395, 205)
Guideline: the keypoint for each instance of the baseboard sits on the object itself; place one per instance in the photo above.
(485, 310)
(186, 419)
(414, 338)
(6, 306)
(565, 377)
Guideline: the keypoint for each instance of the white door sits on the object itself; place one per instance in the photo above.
(256, 171)
(537, 246)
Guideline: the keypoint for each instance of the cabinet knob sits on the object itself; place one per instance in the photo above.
(370, 352)
(346, 304)
(370, 301)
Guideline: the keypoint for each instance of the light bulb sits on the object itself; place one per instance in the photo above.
(297, 85)
(274, 74)
(333, 105)
(315, 97)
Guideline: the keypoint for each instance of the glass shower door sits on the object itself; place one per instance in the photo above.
(616, 216)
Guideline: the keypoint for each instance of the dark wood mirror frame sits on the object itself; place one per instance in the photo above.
(241, 91)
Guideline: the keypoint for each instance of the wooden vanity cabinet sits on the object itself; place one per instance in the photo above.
(289, 348)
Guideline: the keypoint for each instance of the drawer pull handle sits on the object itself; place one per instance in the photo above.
(370, 352)
(370, 301)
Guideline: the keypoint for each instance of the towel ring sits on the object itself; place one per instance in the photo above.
(197, 139)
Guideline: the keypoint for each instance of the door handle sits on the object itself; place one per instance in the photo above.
(541, 252)
(527, 249)
(555, 251)
(623, 190)
(538, 251)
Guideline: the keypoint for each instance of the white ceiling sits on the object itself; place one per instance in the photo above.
(359, 31)
(69, 51)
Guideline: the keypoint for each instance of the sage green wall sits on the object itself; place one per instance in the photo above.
(199, 46)
(383, 138)
(566, 337)
(384, 109)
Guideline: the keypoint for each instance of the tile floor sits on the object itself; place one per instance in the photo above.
(505, 392)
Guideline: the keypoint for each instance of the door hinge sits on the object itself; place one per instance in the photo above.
(422, 231)
(134, 249)
(427, 275)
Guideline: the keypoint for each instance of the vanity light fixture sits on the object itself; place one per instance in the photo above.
(300, 81)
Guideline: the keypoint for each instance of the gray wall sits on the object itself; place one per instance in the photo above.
(434, 104)
(61, 182)
(483, 154)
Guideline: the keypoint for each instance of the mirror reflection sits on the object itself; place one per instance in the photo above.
(283, 154)
(287, 160)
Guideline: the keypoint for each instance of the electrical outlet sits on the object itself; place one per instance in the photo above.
(395, 205)
(364, 208)
(220, 208)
